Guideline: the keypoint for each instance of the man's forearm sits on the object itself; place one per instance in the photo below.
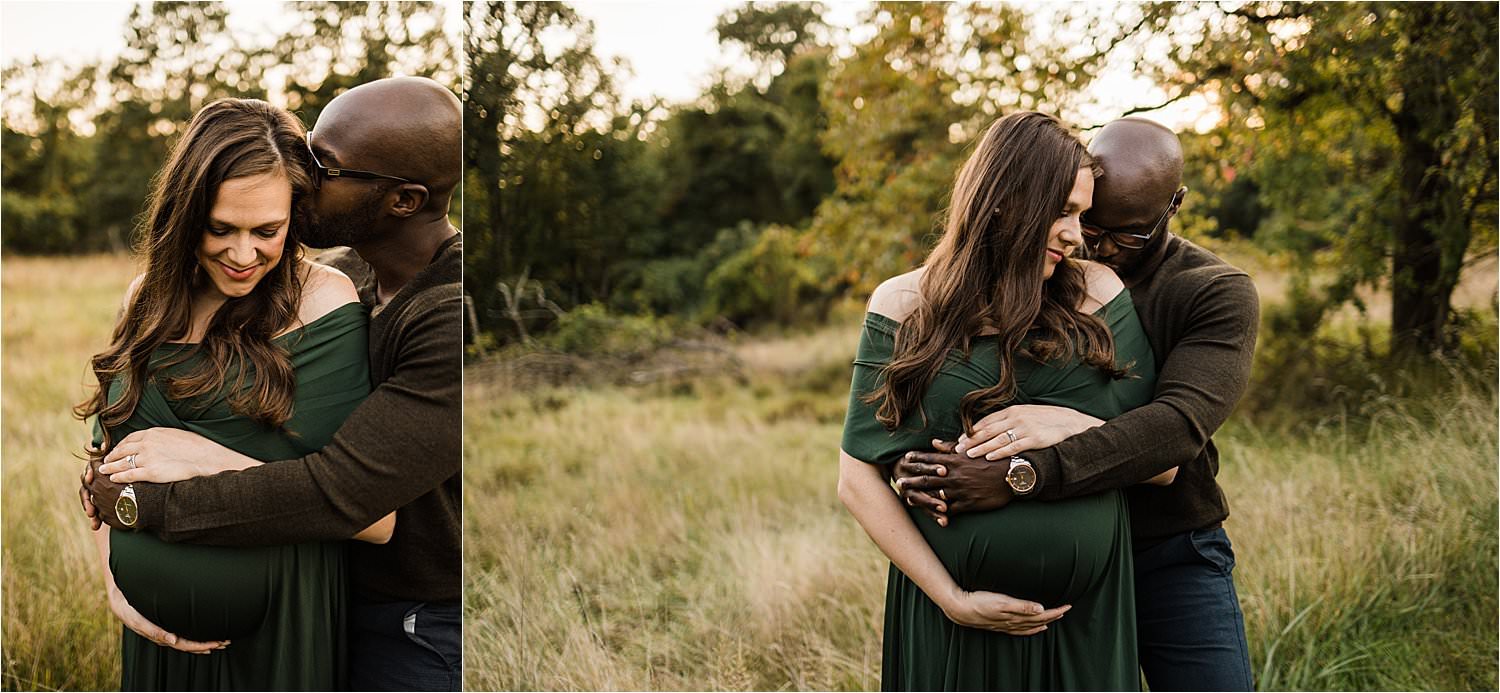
(1112, 456)
(1198, 386)
(403, 441)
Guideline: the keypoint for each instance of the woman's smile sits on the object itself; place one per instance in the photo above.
(238, 274)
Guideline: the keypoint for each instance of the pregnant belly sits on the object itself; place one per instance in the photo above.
(197, 592)
(1051, 553)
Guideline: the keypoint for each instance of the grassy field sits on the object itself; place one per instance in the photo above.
(686, 534)
(58, 631)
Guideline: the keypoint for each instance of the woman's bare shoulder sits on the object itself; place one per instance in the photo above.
(323, 290)
(1101, 285)
(898, 296)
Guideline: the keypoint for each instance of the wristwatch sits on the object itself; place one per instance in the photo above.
(125, 507)
(1021, 476)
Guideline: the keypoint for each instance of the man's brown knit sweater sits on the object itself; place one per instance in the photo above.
(400, 449)
(1201, 316)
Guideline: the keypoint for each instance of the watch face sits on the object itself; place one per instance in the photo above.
(125, 510)
(1021, 477)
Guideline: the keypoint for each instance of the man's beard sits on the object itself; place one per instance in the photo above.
(349, 228)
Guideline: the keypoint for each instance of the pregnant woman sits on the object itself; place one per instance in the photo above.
(231, 334)
(999, 314)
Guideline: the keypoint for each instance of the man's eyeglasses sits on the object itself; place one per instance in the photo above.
(321, 172)
(1129, 240)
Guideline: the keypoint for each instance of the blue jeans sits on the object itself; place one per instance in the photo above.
(1191, 630)
(405, 646)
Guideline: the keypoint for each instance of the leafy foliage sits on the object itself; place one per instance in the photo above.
(1358, 137)
(772, 280)
(553, 176)
(78, 162)
(591, 330)
(1368, 131)
(631, 204)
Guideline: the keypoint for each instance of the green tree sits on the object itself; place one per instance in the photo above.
(555, 180)
(1371, 130)
(771, 34)
(77, 170)
(336, 46)
(903, 107)
(46, 159)
(176, 59)
(744, 155)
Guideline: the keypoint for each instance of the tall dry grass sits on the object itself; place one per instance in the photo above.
(1367, 547)
(687, 535)
(59, 633)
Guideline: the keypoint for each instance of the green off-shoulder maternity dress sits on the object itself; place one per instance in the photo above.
(281, 606)
(1074, 551)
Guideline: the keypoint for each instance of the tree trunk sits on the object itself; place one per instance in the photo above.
(1419, 291)
(1421, 282)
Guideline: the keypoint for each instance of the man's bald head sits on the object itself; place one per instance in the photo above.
(1135, 194)
(1142, 165)
(410, 127)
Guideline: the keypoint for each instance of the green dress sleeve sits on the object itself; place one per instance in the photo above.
(1067, 383)
(865, 438)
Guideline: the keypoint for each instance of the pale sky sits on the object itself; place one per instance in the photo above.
(80, 31)
(670, 44)
(674, 54)
(74, 31)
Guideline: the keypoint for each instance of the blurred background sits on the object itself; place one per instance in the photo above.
(94, 94)
(676, 211)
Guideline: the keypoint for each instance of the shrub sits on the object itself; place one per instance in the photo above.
(40, 223)
(591, 330)
(770, 281)
(668, 286)
(675, 285)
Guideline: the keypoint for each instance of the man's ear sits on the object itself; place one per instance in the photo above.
(410, 199)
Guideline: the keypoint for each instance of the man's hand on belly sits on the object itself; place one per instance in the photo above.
(943, 482)
(99, 495)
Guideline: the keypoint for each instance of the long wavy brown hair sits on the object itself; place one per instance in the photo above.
(227, 139)
(987, 273)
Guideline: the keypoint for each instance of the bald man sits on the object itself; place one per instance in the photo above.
(1201, 316)
(387, 160)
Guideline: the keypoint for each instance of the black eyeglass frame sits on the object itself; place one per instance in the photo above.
(321, 172)
(1093, 233)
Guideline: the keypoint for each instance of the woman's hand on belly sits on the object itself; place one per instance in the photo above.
(1001, 613)
(150, 631)
(164, 455)
(1021, 427)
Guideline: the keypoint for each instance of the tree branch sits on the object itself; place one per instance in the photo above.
(1481, 255)
(1261, 19)
(1479, 193)
(1117, 40)
(1142, 109)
